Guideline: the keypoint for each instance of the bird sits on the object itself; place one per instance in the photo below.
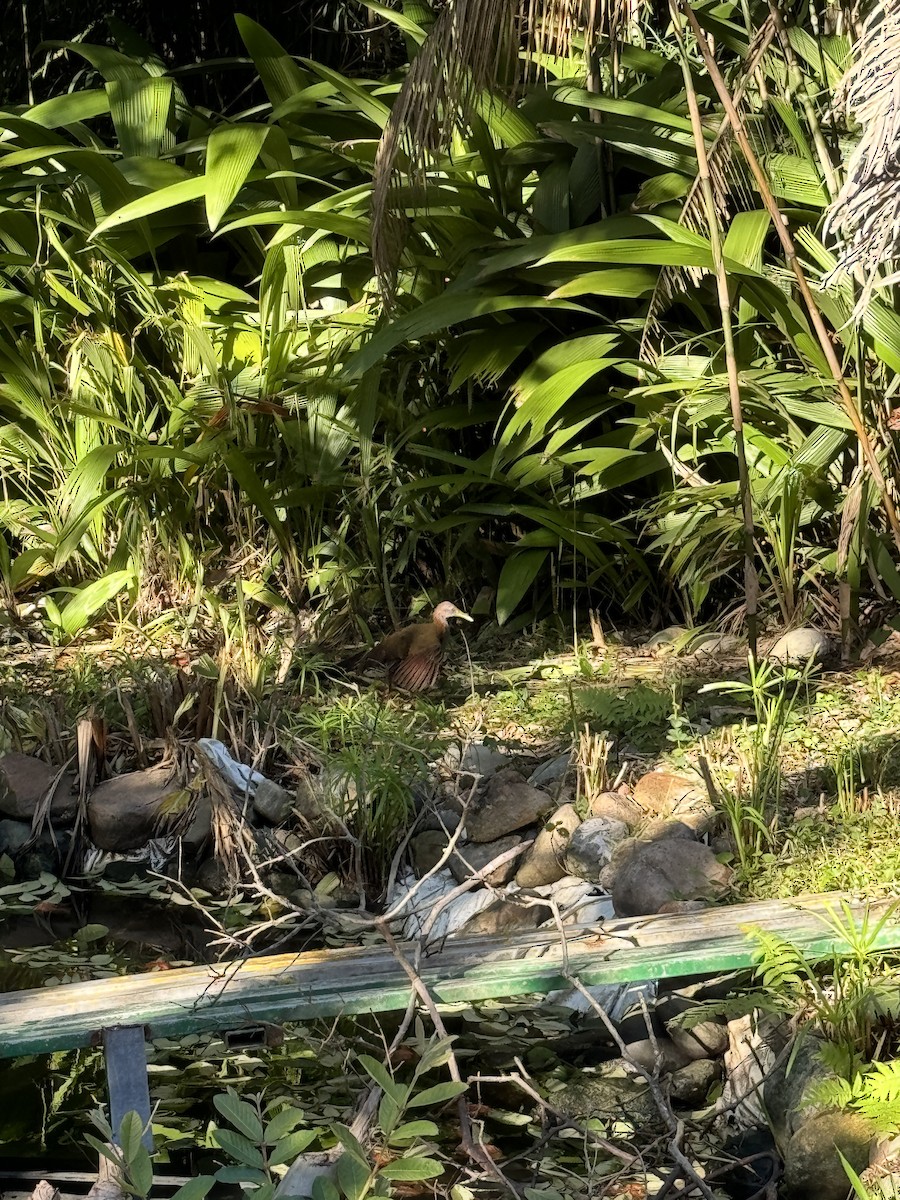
(413, 655)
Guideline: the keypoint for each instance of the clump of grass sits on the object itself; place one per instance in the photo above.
(750, 794)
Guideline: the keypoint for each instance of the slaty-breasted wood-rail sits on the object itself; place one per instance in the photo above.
(412, 655)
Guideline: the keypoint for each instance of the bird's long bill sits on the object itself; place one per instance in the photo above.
(465, 616)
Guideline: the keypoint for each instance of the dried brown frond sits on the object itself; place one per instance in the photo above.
(471, 50)
(865, 214)
(728, 179)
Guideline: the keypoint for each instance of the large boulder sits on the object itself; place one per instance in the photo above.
(653, 874)
(812, 1158)
(801, 645)
(508, 804)
(591, 846)
(669, 794)
(124, 813)
(618, 806)
(472, 857)
(544, 864)
(25, 780)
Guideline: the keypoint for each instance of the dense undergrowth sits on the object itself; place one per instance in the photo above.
(203, 393)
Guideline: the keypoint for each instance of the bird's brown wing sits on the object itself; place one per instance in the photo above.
(417, 672)
(393, 648)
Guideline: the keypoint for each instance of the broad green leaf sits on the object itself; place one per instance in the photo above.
(288, 1147)
(195, 1189)
(440, 1093)
(430, 318)
(110, 63)
(381, 1075)
(239, 1147)
(414, 1129)
(519, 572)
(230, 154)
(412, 1168)
(353, 1176)
(280, 75)
(141, 110)
(293, 220)
(240, 1114)
(131, 1129)
(635, 250)
(140, 1170)
(324, 1189)
(70, 109)
(359, 97)
(90, 598)
(401, 20)
(282, 1124)
(145, 206)
(631, 282)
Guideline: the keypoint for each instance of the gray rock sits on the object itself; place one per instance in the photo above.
(508, 804)
(617, 806)
(591, 846)
(544, 864)
(479, 759)
(812, 1165)
(706, 1039)
(473, 856)
(272, 803)
(801, 645)
(440, 819)
(690, 1084)
(655, 873)
(669, 794)
(504, 916)
(661, 829)
(426, 850)
(551, 771)
(660, 1052)
(46, 854)
(25, 780)
(789, 1085)
(124, 812)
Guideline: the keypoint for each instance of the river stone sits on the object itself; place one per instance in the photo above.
(479, 759)
(427, 849)
(508, 804)
(706, 1039)
(123, 812)
(690, 1084)
(661, 829)
(591, 846)
(45, 855)
(272, 803)
(470, 858)
(544, 863)
(801, 645)
(667, 793)
(551, 771)
(24, 781)
(654, 873)
(812, 1164)
(789, 1085)
(617, 806)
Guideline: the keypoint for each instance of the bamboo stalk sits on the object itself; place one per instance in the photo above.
(790, 252)
(751, 577)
